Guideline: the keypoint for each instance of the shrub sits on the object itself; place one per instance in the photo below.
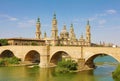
(13, 60)
(116, 73)
(66, 66)
(7, 61)
(62, 70)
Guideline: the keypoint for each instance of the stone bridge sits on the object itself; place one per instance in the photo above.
(47, 55)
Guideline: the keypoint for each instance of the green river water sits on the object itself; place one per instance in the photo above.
(103, 72)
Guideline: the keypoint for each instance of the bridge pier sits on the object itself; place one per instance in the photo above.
(44, 61)
(85, 66)
(90, 64)
(44, 57)
(81, 63)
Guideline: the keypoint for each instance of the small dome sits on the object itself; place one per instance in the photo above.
(64, 31)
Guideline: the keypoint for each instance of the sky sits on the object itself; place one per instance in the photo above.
(18, 18)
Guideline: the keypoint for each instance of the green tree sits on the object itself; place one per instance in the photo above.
(3, 42)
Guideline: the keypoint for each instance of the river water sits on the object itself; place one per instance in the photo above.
(103, 72)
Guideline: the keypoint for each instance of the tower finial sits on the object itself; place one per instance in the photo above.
(71, 24)
(54, 16)
(38, 20)
(64, 28)
(87, 22)
(82, 36)
(45, 35)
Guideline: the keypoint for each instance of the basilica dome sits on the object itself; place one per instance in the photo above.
(64, 33)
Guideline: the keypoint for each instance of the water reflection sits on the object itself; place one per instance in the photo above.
(51, 75)
(85, 76)
(37, 74)
(103, 72)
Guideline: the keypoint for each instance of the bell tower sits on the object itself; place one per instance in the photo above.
(38, 32)
(88, 34)
(54, 30)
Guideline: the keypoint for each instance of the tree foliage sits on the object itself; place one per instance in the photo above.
(3, 42)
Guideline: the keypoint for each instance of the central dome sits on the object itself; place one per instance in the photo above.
(64, 33)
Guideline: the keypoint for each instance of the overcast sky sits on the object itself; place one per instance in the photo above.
(18, 17)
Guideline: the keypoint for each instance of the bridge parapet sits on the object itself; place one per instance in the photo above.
(47, 52)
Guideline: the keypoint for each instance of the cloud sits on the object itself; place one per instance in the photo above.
(106, 13)
(111, 11)
(78, 20)
(13, 19)
(7, 17)
(26, 23)
(93, 18)
(19, 22)
(101, 22)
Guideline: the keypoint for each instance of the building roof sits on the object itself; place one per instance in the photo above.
(26, 39)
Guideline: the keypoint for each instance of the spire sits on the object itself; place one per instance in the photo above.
(72, 34)
(88, 34)
(45, 35)
(71, 25)
(81, 36)
(88, 22)
(38, 20)
(64, 28)
(54, 16)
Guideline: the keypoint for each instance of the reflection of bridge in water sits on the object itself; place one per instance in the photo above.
(48, 55)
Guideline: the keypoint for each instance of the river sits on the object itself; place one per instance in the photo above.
(103, 72)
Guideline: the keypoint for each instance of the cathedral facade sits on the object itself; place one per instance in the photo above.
(65, 38)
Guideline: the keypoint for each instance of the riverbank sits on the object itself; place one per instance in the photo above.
(20, 64)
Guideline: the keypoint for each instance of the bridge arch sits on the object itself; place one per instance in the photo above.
(32, 56)
(57, 56)
(90, 60)
(7, 53)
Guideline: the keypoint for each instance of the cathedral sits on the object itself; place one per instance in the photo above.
(65, 38)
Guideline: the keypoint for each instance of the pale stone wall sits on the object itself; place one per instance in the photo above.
(25, 42)
(90, 51)
(46, 52)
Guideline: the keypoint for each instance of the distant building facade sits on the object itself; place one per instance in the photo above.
(25, 41)
(64, 39)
